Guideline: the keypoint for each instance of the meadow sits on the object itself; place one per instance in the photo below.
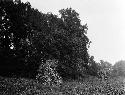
(86, 86)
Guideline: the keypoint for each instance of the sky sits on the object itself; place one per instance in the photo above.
(105, 20)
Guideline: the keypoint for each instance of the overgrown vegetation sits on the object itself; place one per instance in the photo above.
(90, 86)
(43, 53)
(28, 38)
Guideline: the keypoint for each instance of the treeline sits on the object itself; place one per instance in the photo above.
(107, 70)
(28, 38)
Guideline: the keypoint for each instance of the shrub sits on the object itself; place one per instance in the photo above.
(48, 75)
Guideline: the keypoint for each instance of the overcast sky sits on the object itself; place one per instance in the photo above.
(106, 24)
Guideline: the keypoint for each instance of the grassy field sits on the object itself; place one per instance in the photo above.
(88, 86)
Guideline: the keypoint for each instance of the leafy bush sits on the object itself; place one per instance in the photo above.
(48, 75)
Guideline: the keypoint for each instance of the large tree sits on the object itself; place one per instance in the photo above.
(63, 39)
(29, 38)
(77, 38)
(15, 32)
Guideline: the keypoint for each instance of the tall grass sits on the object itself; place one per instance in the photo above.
(87, 86)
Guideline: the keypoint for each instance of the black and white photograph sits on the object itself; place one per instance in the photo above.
(62, 47)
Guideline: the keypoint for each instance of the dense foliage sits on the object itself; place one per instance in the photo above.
(28, 38)
(50, 49)
(105, 69)
(90, 86)
(93, 67)
(15, 32)
(119, 68)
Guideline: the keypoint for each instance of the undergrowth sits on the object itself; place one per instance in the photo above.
(88, 86)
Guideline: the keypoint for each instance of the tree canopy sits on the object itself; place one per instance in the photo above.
(28, 38)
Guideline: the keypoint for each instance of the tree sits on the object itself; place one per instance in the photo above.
(93, 67)
(105, 69)
(77, 38)
(29, 37)
(53, 39)
(15, 44)
(119, 68)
